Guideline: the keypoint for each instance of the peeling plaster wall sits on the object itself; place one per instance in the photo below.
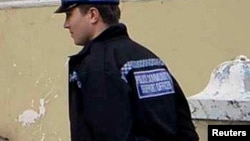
(191, 36)
(33, 75)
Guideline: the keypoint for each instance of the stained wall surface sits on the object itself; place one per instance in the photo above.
(191, 36)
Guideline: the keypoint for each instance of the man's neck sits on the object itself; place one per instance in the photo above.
(99, 29)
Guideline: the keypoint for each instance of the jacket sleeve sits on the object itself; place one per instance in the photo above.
(159, 107)
(185, 126)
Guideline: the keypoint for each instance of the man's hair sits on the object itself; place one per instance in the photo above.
(110, 13)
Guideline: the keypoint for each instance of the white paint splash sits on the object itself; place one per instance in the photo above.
(38, 80)
(32, 103)
(43, 137)
(66, 63)
(30, 116)
(42, 109)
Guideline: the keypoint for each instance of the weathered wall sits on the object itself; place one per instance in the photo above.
(34, 51)
(191, 36)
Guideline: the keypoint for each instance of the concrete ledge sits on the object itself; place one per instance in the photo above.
(27, 3)
(11, 4)
(220, 110)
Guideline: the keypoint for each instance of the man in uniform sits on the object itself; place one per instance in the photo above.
(118, 89)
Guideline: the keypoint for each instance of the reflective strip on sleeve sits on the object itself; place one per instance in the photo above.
(127, 67)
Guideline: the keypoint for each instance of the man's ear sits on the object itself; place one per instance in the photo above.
(94, 14)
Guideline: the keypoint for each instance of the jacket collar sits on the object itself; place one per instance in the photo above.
(113, 31)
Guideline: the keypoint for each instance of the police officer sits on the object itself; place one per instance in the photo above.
(118, 89)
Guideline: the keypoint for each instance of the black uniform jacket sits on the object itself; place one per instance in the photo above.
(121, 91)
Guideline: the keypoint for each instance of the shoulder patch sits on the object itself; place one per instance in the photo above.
(153, 83)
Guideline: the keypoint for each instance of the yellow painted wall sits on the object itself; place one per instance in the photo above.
(191, 36)
(34, 51)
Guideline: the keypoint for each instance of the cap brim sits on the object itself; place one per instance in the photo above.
(64, 8)
(60, 10)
